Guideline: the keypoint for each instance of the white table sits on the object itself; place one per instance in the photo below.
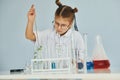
(87, 76)
(105, 76)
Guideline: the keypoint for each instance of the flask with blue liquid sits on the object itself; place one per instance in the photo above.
(89, 64)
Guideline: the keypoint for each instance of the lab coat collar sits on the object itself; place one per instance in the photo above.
(67, 34)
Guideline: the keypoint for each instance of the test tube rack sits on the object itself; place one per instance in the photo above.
(52, 65)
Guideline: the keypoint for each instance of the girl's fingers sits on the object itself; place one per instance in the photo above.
(32, 6)
(32, 10)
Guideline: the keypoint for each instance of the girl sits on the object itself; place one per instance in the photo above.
(60, 41)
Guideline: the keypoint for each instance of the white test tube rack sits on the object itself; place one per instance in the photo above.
(52, 65)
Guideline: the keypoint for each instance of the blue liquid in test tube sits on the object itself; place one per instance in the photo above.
(53, 65)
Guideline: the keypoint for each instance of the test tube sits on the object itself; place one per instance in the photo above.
(53, 65)
(85, 52)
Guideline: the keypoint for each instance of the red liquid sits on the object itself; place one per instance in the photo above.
(101, 64)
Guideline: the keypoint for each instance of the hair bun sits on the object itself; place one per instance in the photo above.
(75, 10)
(58, 3)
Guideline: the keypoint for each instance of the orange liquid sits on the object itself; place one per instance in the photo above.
(101, 64)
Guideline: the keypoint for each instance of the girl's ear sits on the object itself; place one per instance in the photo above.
(71, 23)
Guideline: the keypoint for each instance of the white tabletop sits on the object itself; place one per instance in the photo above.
(84, 76)
(102, 76)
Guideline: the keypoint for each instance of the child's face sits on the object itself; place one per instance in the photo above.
(62, 25)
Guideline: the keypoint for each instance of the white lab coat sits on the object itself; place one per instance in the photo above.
(56, 46)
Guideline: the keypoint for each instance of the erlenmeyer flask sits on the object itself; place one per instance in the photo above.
(100, 59)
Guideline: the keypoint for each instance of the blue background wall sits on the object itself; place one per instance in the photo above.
(94, 17)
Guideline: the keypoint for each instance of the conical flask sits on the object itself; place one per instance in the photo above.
(100, 59)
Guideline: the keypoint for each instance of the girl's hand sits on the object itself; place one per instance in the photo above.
(31, 14)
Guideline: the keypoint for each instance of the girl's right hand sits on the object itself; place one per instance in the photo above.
(31, 14)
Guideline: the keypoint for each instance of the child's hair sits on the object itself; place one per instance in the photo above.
(65, 11)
